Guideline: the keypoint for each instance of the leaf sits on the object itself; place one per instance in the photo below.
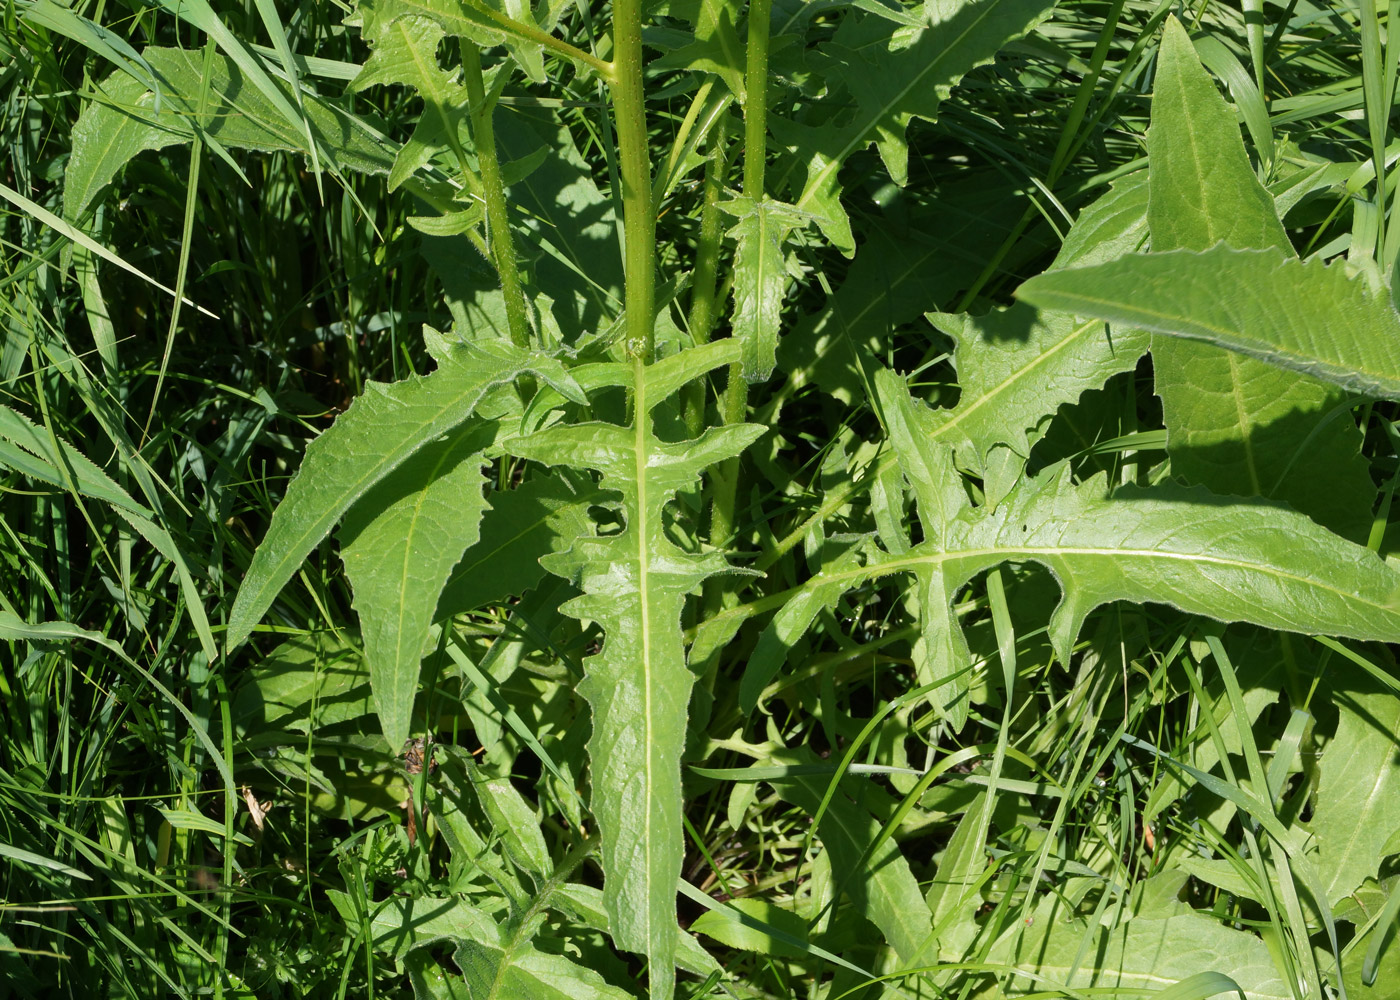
(1234, 424)
(1203, 554)
(634, 584)
(381, 430)
(1136, 954)
(400, 924)
(399, 545)
(881, 886)
(307, 670)
(1358, 796)
(125, 122)
(405, 52)
(759, 277)
(894, 76)
(540, 516)
(1204, 190)
(1015, 367)
(727, 929)
(571, 222)
(1312, 318)
(523, 972)
(898, 274)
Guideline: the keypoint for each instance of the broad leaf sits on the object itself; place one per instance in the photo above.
(1137, 953)
(1313, 318)
(404, 53)
(399, 544)
(1015, 367)
(541, 516)
(634, 584)
(381, 430)
(1237, 425)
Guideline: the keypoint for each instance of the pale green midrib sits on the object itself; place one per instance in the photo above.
(911, 563)
(1130, 979)
(1362, 824)
(641, 416)
(961, 412)
(1251, 462)
(1166, 322)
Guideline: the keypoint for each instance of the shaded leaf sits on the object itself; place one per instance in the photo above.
(1358, 795)
(894, 75)
(110, 132)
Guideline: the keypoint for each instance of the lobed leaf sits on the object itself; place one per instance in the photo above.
(634, 585)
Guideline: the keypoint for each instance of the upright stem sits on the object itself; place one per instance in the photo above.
(499, 238)
(734, 406)
(702, 295)
(638, 212)
(756, 98)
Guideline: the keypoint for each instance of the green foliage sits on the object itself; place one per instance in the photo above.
(994, 648)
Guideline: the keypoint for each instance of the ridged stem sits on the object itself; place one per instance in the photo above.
(499, 239)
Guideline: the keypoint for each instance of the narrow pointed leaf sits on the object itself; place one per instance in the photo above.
(379, 432)
(399, 545)
(759, 278)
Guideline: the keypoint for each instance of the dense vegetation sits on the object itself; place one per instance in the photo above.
(806, 499)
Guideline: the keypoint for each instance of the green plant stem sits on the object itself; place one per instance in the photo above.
(705, 277)
(638, 211)
(735, 403)
(756, 98)
(500, 241)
